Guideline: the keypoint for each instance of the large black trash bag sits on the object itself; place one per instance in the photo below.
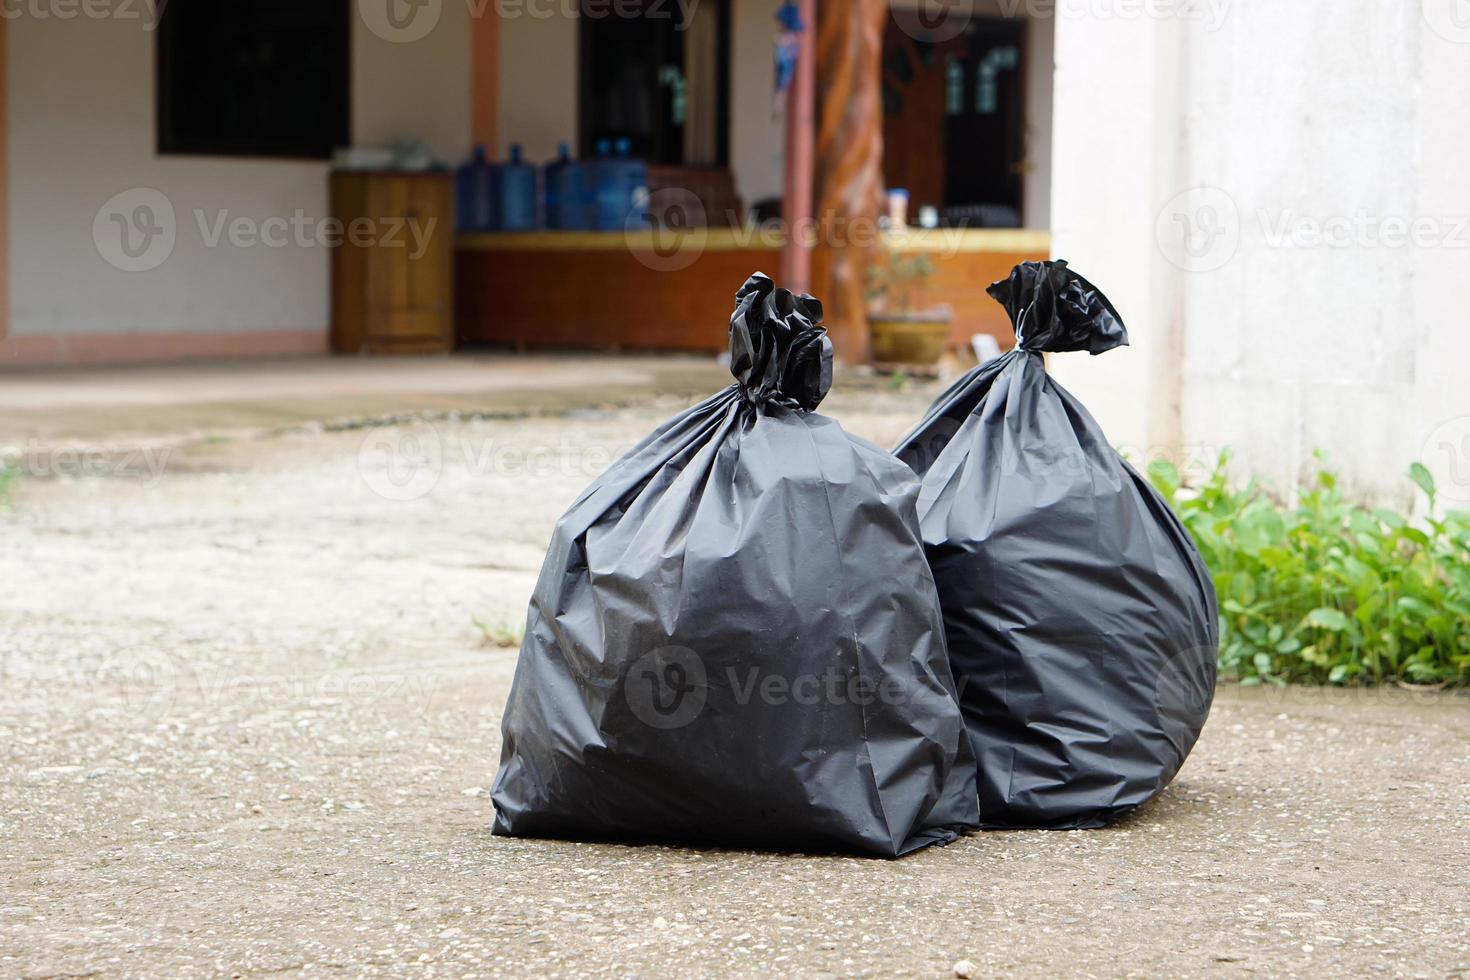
(736, 639)
(1081, 620)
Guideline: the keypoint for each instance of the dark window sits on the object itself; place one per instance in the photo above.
(984, 143)
(654, 76)
(965, 95)
(253, 77)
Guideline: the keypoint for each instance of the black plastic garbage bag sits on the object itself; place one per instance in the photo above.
(1081, 620)
(736, 639)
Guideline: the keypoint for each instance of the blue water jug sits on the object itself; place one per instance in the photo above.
(515, 190)
(621, 178)
(565, 200)
(594, 172)
(474, 194)
(633, 176)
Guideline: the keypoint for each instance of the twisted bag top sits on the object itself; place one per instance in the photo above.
(1052, 308)
(736, 638)
(1080, 619)
(777, 351)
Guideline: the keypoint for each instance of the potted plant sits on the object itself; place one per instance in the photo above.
(905, 332)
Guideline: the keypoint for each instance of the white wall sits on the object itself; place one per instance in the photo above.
(416, 90)
(1273, 117)
(757, 130)
(538, 79)
(1104, 186)
(81, 121)
(1440, 289)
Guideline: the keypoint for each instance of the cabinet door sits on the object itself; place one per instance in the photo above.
(351, 309)
(411, 264)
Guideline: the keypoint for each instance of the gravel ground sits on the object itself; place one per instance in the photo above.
(250, 707)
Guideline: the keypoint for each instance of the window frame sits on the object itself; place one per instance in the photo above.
(585, 141)
(170, 142)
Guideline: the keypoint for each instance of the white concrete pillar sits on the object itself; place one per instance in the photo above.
(1275, 200)
(1440, 329)
(1115, 127)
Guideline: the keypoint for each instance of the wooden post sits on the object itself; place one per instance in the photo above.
(796, 196)
(4, 188)
(849, 167)
(485, 78)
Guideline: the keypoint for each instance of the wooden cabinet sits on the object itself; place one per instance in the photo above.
(393, 273)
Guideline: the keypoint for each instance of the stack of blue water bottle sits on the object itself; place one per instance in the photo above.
(606, 193)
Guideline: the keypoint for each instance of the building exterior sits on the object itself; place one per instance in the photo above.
(82, 118)
(1275, 199)
(79, 114)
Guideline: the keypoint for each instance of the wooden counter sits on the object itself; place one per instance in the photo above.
(666, 290)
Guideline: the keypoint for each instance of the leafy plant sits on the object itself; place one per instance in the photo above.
(8, 476)
(897, 285)
(501, 633)
(1330, 591)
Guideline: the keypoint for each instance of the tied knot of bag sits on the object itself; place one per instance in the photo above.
(1054, 309)
(778, 353)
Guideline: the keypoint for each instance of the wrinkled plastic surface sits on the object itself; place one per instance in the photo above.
(1080, 617)
(736, 638)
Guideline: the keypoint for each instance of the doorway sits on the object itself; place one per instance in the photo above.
(954, 121)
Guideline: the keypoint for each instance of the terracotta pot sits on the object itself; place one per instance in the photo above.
(909, 338)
